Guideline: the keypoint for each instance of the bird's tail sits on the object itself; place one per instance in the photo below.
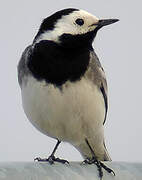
(106, 154)
(101, 152)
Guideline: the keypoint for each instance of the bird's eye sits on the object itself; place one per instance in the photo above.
(79, 21)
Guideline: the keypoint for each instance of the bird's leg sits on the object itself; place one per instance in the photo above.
(51, 159)
(98, 163)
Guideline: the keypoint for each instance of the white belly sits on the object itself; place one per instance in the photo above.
(68, 114)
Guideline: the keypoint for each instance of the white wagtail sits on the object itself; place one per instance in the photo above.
(63, 85)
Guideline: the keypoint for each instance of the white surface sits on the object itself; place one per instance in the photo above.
(119, 49)
(74, 171)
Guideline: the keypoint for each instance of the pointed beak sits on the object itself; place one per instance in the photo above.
(105, 22)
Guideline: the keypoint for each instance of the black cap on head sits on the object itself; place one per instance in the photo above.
(48, 23)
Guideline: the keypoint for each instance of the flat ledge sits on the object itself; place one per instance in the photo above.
(74, 171)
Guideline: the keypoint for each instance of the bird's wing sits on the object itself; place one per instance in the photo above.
(104, 93)
(97, 75)
(22, 65)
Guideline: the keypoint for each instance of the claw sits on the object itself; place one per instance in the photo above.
(39, 159)
(99, 165)
(107, 168)
(61, 161)
(51, 160)
(43, 160)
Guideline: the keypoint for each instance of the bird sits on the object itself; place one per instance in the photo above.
(64, 87)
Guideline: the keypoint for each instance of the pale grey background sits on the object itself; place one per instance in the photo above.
(119, 49)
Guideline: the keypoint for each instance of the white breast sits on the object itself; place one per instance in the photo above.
(65, 114)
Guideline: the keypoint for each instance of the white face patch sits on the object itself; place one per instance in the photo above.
(68, 25)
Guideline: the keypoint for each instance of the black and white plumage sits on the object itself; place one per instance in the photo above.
(63, 85)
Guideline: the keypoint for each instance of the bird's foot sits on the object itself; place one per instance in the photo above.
(99, 165)
(51, 159)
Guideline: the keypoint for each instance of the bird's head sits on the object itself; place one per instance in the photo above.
(71, 28)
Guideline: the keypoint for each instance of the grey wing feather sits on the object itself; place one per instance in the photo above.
(105, 101)
(97, 75)
(22, 65)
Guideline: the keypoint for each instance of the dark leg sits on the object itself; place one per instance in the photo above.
(55, 148)
(99, 164)
(51, 159)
